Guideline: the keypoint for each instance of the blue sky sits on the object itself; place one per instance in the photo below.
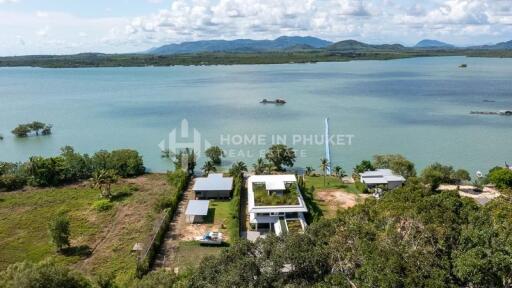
(118, 26)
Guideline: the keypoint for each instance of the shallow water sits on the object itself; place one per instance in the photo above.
(417, 107)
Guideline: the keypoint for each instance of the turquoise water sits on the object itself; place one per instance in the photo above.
(417, 107)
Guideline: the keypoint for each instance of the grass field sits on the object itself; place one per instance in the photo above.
(331, 182)
(190, 254)
(101, 241)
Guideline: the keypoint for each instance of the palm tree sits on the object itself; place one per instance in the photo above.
(259, 166)
(309, 170)
(238, 169)
(340, 173)
(324, 164)
(103, 179)
(209, 167)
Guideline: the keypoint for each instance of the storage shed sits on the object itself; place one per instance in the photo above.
(196, 211)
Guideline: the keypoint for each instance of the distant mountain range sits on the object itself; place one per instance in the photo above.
(242, 45)
(297, 43)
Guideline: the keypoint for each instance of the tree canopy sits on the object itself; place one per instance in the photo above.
(280, 156)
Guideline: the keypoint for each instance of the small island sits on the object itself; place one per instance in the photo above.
(36, 127)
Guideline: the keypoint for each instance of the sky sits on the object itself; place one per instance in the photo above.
(121, 26)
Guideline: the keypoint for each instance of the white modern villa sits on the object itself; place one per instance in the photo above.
(384, 177)
(275, 204)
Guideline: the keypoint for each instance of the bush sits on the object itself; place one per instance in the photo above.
(11, 182)
(361, 187)
(102, 205)
(43, 274)
(127, 163)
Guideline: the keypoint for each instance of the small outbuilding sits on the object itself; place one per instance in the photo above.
(196, 211)
(213, 186)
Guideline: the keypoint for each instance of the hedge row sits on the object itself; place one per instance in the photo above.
(234, 224)
(179, 180)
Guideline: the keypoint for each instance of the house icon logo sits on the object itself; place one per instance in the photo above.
(183, 137)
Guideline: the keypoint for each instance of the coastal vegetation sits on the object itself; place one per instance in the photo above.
(414, 236)
(226, 58)
(36, 127)
(70, 167)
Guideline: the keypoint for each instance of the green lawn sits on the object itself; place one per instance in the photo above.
(331, 182)
(190, 254)
(24, 218)
(218, 212)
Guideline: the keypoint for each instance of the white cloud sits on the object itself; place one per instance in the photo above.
(376, 21)
(8, 1)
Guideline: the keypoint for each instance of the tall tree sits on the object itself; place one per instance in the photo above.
(396, 162)
(237, 169)
(208, 168)
(215, 153)
(259, 166)
(280, 155)
(340, 173)
(324, 164)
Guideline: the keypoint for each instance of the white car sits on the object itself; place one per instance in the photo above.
(212, 238)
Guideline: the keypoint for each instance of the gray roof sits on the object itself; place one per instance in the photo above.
(214, 182)
(197, 207)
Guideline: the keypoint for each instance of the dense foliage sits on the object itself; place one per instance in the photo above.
(280, 156)
(46, 274)
(220, 58)
(396, 162)
(410, 237)
(437, 174)
(69, 167)
(36, 127)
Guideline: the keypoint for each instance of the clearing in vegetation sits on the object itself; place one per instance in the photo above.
(101, 242)
(334, 195)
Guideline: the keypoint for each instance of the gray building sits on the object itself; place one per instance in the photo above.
(196, 211)
(213, 186)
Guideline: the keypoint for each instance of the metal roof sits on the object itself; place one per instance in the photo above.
(197, 207)
(214, 182)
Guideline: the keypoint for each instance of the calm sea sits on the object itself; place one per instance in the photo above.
(417, 107)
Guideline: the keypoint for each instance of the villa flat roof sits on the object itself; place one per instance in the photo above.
(270, 181)
(197, 207)
(214, 182)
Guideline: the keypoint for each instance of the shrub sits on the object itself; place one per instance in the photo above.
(102, 205)
(361, 187)
(43, 274)
(127, 163)
(58, 229)
(11, 182)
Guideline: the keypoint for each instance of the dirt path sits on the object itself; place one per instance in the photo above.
(168, 251)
